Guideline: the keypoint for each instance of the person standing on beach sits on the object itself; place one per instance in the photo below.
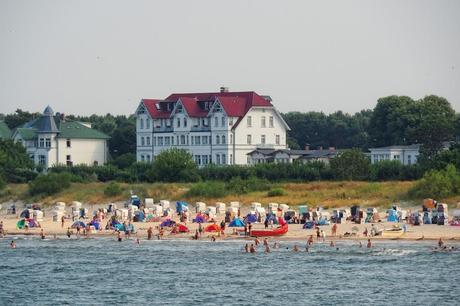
(69, 233)
(249, 229)
(334, 229)
(266, 223)
(1, 229)
(42, 234)
(149, 233)
(318, 233)
(62, 221)
(200, 229)
(369, 244)
(245, 230)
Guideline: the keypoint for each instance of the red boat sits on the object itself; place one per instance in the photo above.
(274, 232)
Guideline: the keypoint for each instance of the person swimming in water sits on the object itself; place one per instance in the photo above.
(267, 248)
(119, 236)
(257, 241)
(369, 244)
(296, 248)
(252, 249)
(13, 244)
(42, 234)
(332, 244)
(246, 248)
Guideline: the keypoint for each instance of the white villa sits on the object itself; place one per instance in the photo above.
(219, 127)
(54, 140)
(407, 155)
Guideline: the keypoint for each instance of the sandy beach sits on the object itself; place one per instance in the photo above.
(296, 231)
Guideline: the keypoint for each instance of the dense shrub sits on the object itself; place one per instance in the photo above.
(276, 192)
(124, 161)
(113, 189)
(351, 165)
(438, 184)
(174, 165)
(49, 184)
(2, 183)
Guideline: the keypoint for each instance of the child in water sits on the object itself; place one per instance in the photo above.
(13, 244)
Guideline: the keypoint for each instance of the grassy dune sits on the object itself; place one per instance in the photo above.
(328, 194)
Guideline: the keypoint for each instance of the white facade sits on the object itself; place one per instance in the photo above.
(211, 134)
(52, 140)
(407, 155)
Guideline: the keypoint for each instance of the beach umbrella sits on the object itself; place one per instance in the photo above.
(21, 223)
(236, 223)
(212, 228)
(182, 228)
(79, 224)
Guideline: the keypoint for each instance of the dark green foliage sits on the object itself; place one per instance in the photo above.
(18, 118)
(2, 183)
(276, 192)
(15, 164)
(351, 165)
(438, 184)
(113, 189)
(391, 170)
(124, 161)
(174, 165)
(49, 184)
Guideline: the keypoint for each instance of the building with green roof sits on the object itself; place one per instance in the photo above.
(52, 139)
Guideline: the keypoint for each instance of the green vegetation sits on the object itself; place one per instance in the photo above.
(438, 183)
(276, 192)
(113, 189)
(49, 184)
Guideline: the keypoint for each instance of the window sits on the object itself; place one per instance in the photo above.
(141, 122)
(185, 122)
(42, 143)
(205, 139)
(223, 121)
(48, 142)
(216, 121)
(41, 160)
(167, 140)
(270, 121)
(218, 159)
(160, 140)
(210, 140)
(409, 159)
(198, 159)
(142, 141)
(231, 159)
(205, 159)
(230, 121)
(68, 143)
(249, 121)
(223, 139)
(68, 160)
(182, 139)
(262, 139)
(148, 158)
(197, 140)
(249, 139)
(147, 126)
(142, 158)
(277, 139)
(231, 138)
(396, 157)
(178, 122)
(193, 138)
(224, 159)
(217, 139)
(148, 140)
(262, 122)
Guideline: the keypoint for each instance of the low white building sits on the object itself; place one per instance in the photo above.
(407, 155)
(262, 155)
(54, 140)
(219, 127)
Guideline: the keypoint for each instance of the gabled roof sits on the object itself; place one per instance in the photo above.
(5, 131)
(27, 133)
(154, 111)
(74, 129)
(235, 104)
(192, 108)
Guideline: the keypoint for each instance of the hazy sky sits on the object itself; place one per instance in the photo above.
(87, 57)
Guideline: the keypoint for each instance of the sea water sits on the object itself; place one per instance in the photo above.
(103, 271)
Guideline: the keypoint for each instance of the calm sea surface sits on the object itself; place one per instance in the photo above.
(105, 272)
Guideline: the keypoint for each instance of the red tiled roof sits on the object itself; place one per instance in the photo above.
(192, 107)
(235, 104)
(150, 104)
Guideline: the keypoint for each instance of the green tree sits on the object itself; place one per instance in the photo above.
(19, 118)
(350, 165)
(438, 184)
(174, 165)
(15, 164)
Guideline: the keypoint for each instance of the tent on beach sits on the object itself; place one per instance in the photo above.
(79, 224)
(167, 223)
(212, 228)
(182, 228)
(199, 219)
(251, 218)
(236, 223)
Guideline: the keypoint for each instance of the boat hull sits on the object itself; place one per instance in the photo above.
(275, 232)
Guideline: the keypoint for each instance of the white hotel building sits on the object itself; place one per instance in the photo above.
(220, 127)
